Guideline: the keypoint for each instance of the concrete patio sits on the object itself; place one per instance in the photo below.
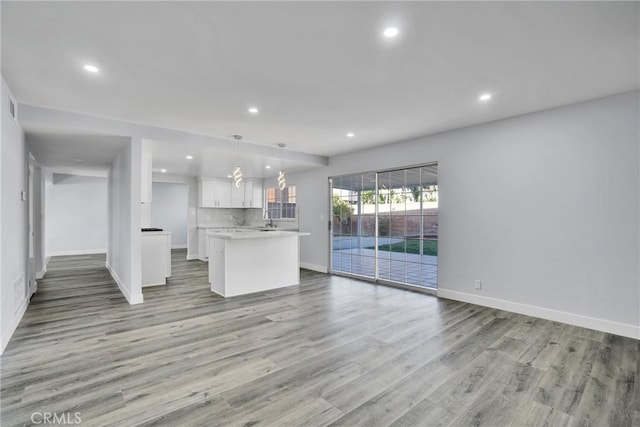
(411, 269)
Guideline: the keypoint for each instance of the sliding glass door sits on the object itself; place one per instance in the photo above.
(407, 226)
(385, 225)
(353, 225)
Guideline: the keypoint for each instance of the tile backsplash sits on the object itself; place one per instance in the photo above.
(207, 217)
(217, 217)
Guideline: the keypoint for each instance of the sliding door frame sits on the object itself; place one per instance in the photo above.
(376, 279)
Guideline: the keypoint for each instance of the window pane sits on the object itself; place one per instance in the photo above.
(281, 204)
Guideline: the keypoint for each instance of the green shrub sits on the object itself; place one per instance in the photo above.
(341, 208)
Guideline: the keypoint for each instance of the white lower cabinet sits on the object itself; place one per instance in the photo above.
(155, 249)
(203, 250)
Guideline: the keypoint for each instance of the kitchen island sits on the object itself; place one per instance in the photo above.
(246, 261)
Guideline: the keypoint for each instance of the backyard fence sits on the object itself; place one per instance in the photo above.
(402, 223)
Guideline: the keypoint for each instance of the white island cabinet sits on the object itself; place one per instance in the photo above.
(203, 245)
(243, 262)
(156, 257)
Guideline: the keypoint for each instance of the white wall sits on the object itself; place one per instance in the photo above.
(5, 308)
(146, 181)
(76, 215)
(192, 208)
(543, 208)
(145, 215)
(39, 216)
(192, 220)
(14, 295)
(123, 247)
(169, 210)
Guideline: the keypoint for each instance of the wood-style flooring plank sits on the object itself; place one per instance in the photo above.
(332, 351)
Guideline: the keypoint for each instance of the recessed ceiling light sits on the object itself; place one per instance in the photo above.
(78, 160)
(163, 170)
(350, 135)
(484, 97)
(253, 110)
(91, 68)
(391, 32)
(268, 167)
(228, 176)
(189, 157)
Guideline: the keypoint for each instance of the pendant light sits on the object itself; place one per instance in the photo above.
(237, 173)
(282, 183)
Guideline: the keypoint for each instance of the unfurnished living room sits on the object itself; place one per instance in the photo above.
(276, 213)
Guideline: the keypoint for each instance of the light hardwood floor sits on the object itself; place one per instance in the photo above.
(331, 351)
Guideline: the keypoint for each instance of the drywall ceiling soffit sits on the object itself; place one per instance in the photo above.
(60, 138)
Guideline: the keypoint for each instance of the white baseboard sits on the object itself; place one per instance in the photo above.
(77, 252)
(603, 325)
(14, 323)
(40, 274)
(132, 299)
(314, 267)
(191, 257)
(163, 283)
(136, 299)
(179, 246)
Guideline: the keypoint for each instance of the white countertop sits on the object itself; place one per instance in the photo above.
(253, 234)
(232, 228)
(156, 233)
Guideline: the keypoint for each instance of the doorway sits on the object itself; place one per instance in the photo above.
(385, 226)
(169, 210)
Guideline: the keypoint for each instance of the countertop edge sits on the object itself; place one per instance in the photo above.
(256, 235)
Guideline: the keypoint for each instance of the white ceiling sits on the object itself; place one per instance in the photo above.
(76, 153)
(317, 70)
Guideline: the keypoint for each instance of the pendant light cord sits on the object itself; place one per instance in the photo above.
(282, 182)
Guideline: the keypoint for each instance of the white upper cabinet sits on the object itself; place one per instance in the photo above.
(214, 193)
(253, 193)
(237, 195)
(206, 198)
(222, 191)
(219, 193)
